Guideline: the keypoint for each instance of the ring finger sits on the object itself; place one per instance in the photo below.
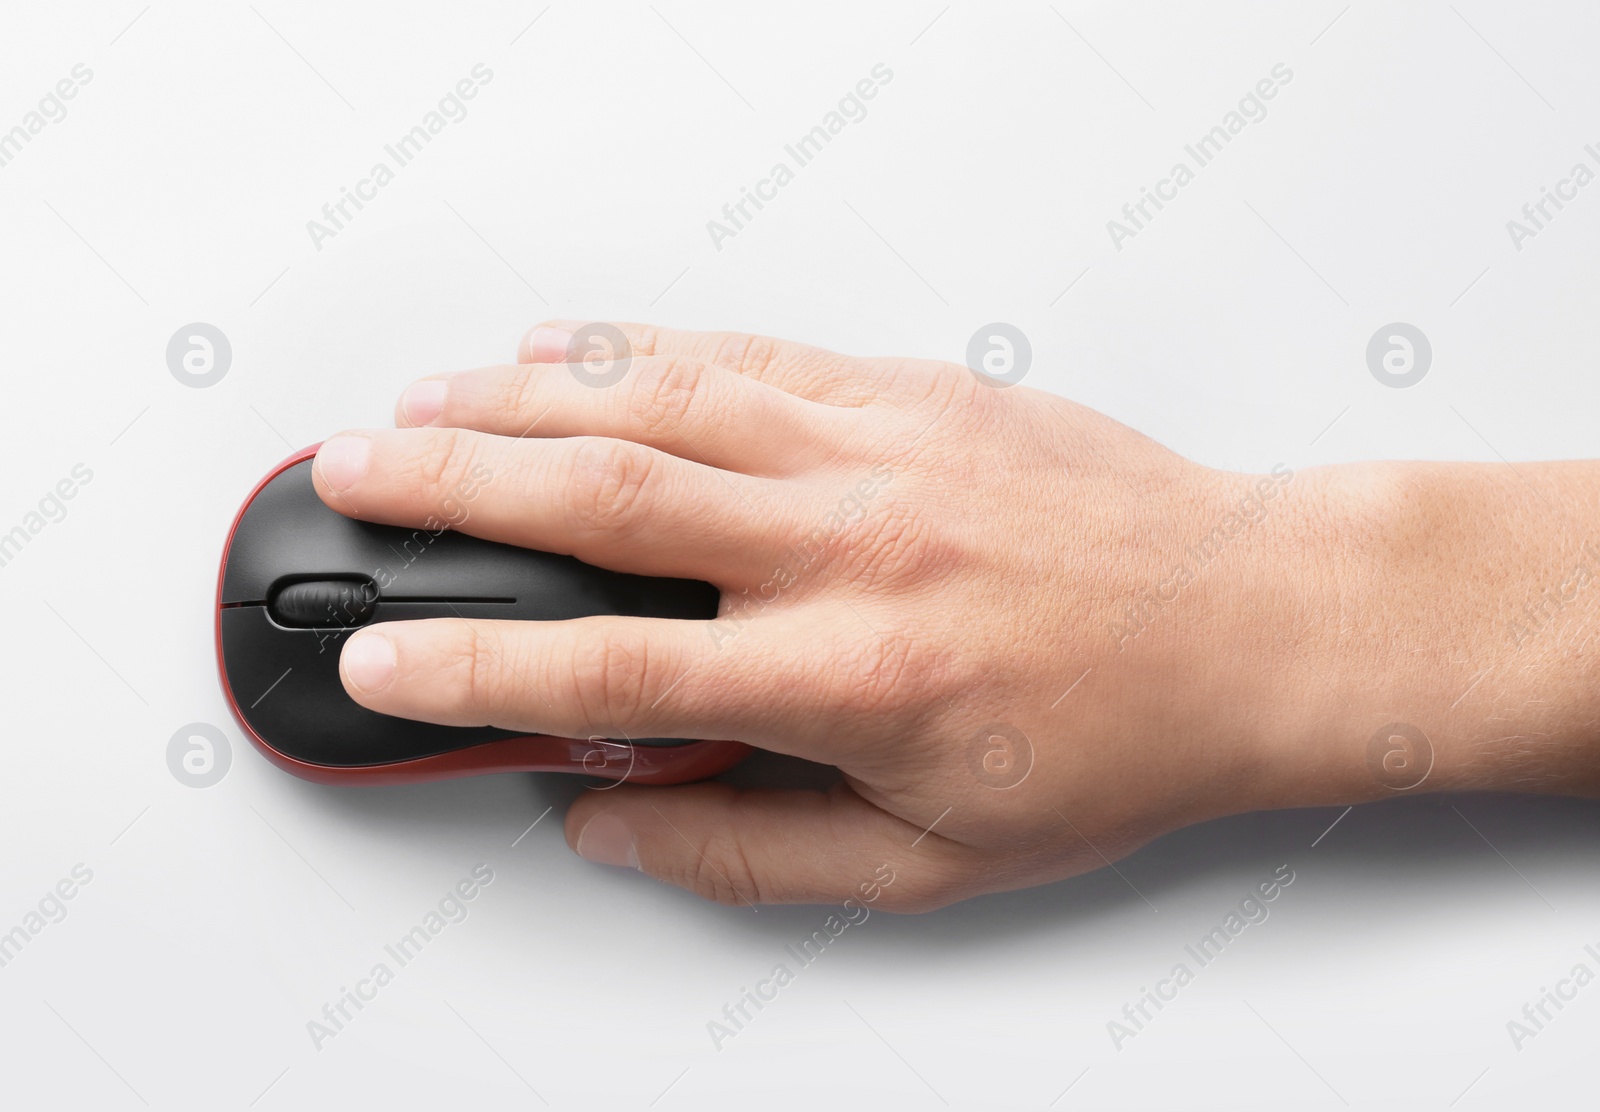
(678, 404)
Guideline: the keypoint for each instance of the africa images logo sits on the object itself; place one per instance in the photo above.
(451, 109)
(1251, 109)
(852, 108)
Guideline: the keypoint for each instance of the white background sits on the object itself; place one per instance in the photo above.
(1233, 328)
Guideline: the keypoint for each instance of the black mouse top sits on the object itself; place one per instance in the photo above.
(298, 577)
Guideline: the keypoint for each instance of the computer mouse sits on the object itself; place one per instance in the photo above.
(297, 578)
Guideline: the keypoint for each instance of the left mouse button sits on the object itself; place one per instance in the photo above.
(324, 603)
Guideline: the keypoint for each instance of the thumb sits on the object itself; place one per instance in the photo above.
(746, 847)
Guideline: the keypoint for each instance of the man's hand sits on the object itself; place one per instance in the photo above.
(1030, 638)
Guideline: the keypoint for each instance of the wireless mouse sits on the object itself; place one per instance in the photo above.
(297, 577)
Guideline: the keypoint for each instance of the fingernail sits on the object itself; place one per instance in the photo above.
(424, 401)
(343, 460)
(548, 345)
(369, 661)
(606, 840)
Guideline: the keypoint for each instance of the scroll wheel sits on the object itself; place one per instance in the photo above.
(324, 603)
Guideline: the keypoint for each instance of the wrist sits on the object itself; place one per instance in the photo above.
(1429, 620)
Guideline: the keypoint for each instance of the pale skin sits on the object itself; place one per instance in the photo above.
(998, 641)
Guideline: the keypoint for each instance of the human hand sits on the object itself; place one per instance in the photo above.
(1030, 638)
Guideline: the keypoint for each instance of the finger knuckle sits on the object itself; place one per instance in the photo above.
(924, 889)
(477, 690)
(666, 396)
(447, 461)
(721, 871)
(747, 353)
(899, 546)
(610, 677)
(882, 674)
(610, 481)
(647, 339)
(935, 386)
(519, 390)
